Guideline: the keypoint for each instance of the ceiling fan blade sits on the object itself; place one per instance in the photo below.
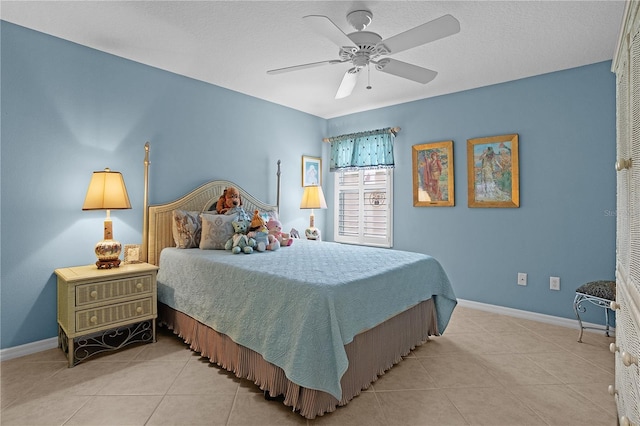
(348, 83)
(405, 70)
(426, 33)
(325, 27)
(303, 66)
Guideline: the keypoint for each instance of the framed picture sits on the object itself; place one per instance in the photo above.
(433, 174)
(311, 171)
(132, 253)
(492, 171)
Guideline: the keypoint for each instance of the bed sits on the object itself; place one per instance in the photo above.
(314, 323)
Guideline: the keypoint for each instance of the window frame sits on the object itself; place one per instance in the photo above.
(362, 188)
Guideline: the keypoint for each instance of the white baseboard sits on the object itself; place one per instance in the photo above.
(533, 316)
(28, 348)
(43, 345)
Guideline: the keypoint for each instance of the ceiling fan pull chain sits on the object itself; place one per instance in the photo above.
(368, 76)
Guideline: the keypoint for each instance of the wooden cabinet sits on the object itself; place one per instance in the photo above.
(105, 309)
(626, 65)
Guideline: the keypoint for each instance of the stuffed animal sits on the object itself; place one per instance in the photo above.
(229, 199)
(257, 223)
(275, 228)
(258, 230)
(262, 240)
(230, 203)
(240, 242)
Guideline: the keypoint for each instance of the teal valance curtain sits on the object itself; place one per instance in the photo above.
(364, 150)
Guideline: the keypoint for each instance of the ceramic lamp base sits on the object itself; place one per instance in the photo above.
(108, 253)
(312, 233)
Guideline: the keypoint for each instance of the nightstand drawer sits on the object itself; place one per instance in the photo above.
(113, 289)
(113, 314)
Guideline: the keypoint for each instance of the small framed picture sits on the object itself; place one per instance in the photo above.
(433, 174)
(132, 253)
(311, 171)
(493, 171)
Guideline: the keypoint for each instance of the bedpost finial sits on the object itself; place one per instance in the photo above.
(146, 153)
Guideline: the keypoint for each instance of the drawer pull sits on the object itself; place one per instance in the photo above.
(613, 348)
(139, 309)
(628, 359)
(612, 390)
(93, 319)
(139, 286)
(614, 306)
(93, 294)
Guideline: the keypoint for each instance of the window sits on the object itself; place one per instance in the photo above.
(364, 207)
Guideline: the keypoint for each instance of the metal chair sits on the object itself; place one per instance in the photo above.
(599, 293)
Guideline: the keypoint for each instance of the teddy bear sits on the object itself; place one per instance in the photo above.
(239, 241)
(258, 230)
(275, 228)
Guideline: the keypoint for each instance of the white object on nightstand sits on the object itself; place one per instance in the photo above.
(101, 310)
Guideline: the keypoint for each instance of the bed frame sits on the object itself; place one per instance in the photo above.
(375, 350)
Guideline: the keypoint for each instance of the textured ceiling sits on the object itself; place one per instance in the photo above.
(233, 43)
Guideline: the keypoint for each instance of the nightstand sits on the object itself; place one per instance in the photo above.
(103, 310)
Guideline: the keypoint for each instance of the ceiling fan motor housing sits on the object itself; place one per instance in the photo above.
(367, 48)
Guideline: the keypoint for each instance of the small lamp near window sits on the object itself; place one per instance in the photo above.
(107, 191)
(312, 198)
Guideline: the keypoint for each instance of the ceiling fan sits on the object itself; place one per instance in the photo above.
(362, 48)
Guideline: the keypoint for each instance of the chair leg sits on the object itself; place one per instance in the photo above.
(576, 302)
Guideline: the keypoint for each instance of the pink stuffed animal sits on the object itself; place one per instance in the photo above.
(275, 228)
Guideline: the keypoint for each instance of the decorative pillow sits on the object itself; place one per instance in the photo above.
(267, 215)
(216, 230)
(186, 228)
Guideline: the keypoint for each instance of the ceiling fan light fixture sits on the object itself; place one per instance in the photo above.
(360, 19)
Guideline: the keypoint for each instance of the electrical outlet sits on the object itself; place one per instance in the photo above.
(522, 278)
(554, 283)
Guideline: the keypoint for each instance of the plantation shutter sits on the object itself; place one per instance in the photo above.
(364, 210)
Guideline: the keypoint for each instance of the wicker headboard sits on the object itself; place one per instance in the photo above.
(158, 234)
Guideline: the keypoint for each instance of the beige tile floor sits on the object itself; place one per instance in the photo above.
(487, 369)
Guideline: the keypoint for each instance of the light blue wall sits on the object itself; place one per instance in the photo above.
(68, 110)
(565, 225)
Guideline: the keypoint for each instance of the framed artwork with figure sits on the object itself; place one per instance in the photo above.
(311, 171)
(433, 174)
(493, 171)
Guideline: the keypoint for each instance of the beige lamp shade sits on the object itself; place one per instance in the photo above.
(313, 198)
(107, 191)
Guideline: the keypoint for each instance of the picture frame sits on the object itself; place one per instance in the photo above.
(493, 171)
(311, 171)
(433, 178)
(132, 253)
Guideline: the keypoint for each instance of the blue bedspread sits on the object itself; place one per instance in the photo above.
(298, 306)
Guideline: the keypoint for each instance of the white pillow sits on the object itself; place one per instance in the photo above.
(216, 230)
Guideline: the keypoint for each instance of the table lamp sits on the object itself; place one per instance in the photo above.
(107, 192)
(312, 198)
